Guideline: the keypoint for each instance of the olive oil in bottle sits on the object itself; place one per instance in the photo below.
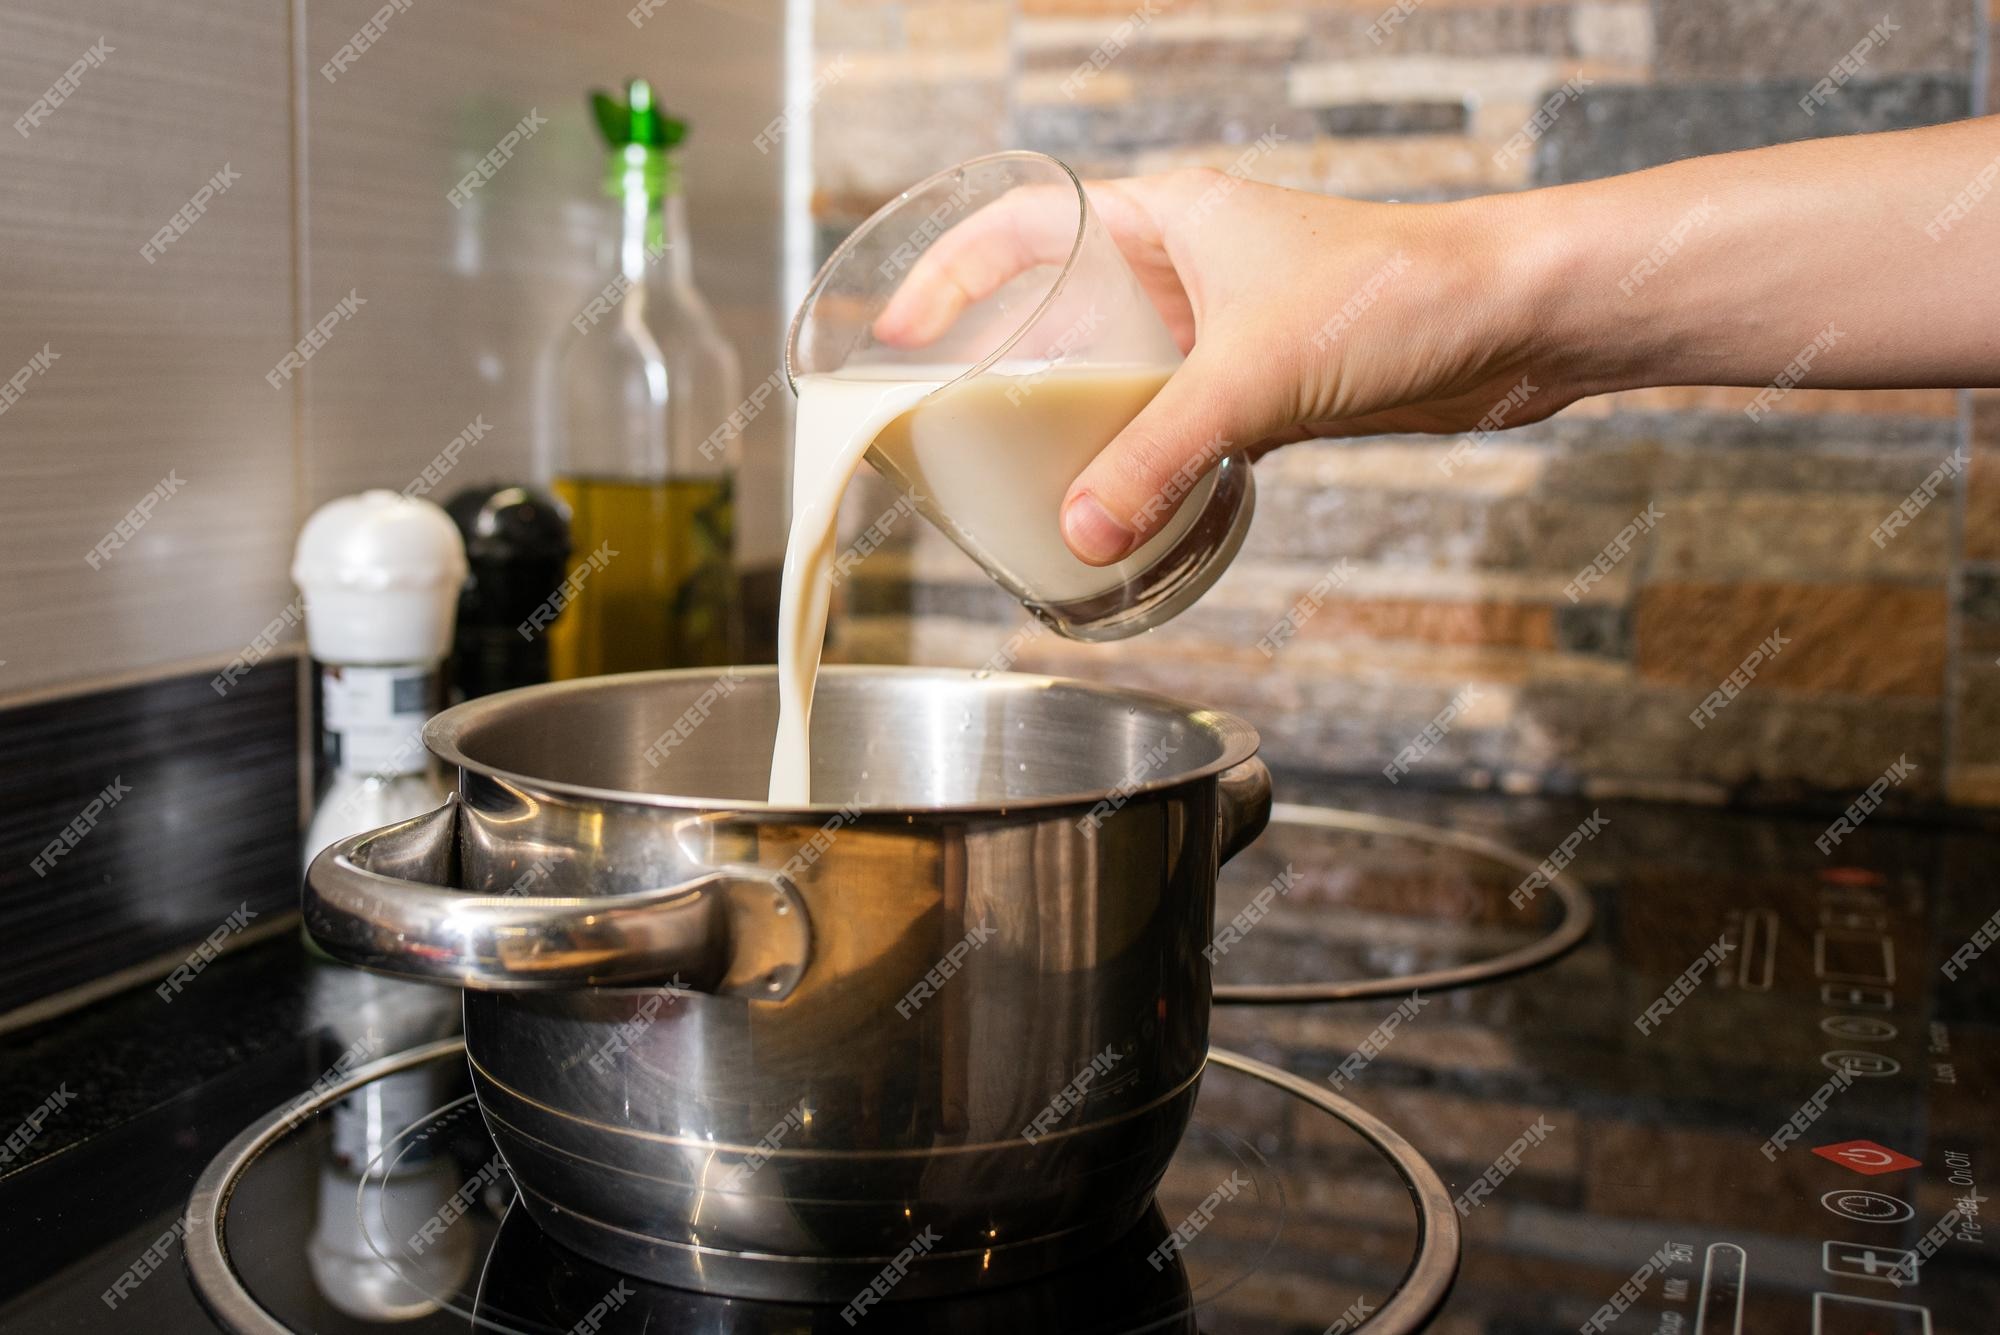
(667, 597)
(642, 380)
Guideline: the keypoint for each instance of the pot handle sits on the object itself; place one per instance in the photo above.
(1243, 805)
(383, 901)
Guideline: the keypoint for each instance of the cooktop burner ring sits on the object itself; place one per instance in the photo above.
(216, 1282)
(1434, 1268)
(1571, 927)
(1420, 1292)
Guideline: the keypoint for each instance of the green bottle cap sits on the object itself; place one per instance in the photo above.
(641, 137)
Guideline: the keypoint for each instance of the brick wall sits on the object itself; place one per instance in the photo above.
(1458, 578)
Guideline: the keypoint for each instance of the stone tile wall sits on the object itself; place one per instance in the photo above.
(1457, 589)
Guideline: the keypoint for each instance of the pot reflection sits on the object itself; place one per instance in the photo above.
(531, 1283)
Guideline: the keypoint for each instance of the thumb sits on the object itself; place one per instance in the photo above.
(1138, 482)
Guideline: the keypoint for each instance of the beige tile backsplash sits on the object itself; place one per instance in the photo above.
(160, 368)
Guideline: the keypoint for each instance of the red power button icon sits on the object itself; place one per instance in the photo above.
(1866, 1157)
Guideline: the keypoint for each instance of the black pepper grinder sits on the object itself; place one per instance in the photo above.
(516, 545)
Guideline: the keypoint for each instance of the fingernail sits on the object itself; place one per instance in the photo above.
(1092, 533)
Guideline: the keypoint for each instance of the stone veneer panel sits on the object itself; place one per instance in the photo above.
(1834, 636)
(1712, 40)
(1626, 129)
(1458, 580)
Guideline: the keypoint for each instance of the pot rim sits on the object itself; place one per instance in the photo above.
(443, 733)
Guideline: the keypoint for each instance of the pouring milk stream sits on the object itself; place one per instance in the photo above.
(986, 422)
(994, 454)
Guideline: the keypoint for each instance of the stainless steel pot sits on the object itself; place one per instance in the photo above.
(941, 1032)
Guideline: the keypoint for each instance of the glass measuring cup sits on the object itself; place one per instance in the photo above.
(1032, 379)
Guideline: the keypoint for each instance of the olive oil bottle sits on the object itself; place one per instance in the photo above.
(642, 380)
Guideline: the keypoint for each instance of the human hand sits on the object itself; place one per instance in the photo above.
(1301, 316)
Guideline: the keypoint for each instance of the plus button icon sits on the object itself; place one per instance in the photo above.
(1884, 1265)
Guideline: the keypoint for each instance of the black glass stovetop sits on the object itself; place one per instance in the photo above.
(1750, 1100)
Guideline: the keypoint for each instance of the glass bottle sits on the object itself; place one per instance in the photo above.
(642, 381)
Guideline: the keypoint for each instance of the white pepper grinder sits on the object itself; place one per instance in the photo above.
(381, 574)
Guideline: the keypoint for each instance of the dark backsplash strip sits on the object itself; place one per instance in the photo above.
(182, 807)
